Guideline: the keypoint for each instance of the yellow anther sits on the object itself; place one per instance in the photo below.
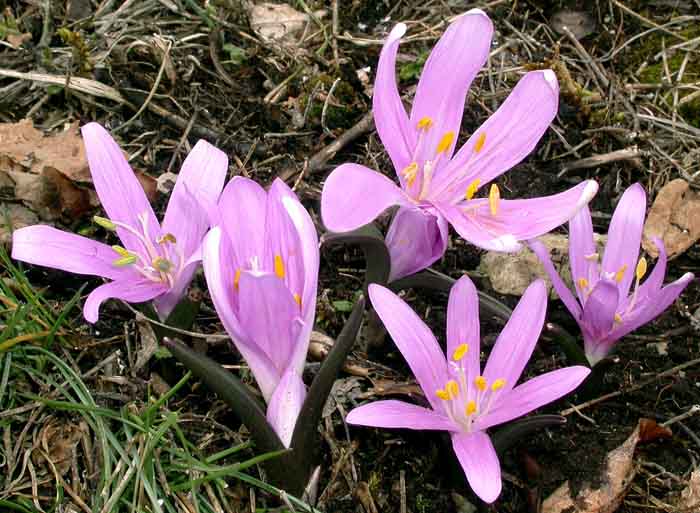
(121, 251)
(494, 198)
(410, 172)
(472, 188)
(498, 384)
(104, 223)
(124, 261)
(583, 283)
(443, 394)
(592, 257)
(471, 408)
(618, 318)
(641, 268)
(445, 142)
(480, 141)
(297, 298)
(168, 237)
(162, 264)
(236, 279)
(279, 267)
(452, 388)
(480, 383)
(425, 123)
(620, 274)
(460, 351)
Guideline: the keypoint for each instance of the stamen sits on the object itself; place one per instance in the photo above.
(498, 384)
(410, 172)
(592, 257)
(494, 198)
(236, 279)
(443, 394)
(452, 388)
(583, 283)
(480, 383)
(641, 268)
(445, 142)
(162, 264)
(481, 140)
(124, 261)
(425, 123)
(471, 408)
(279, 267)
(104, 223)
(297, 298)
(168, 237)
(620, 274)
(618, 318)
(472, 188)
(121, 251)
(460, 351)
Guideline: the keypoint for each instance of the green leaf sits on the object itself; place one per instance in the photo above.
(342, 305)
(236, 54)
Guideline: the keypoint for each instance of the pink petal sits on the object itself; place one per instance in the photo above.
(507, 137)
(534, 393)
(463, 324)
(581, 246)
(600, 308)
(49, 247)
(285, 405)
(471, 228)
(354, 195)
(415, 341)
(398, 414)
(516, 342)
(119, 190)
(562, 290)
(416, 238)
(200, 181)
(480, 463)
(131, 291)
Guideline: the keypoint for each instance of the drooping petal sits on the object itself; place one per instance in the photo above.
(201, 179)
(416, 239)
(516, 342)
(414, 339)
(354, 195)
(285, 405)
(444, 83)
(582, 253)
(471, 229)
(505, 139)
(131, 291)
(119, 190)
(390, 117)
(463, 325)
(562, 290)
(534, 393)
(49, 247)
(625, 236)
(479, 461)
(398, 414)
(600, 308)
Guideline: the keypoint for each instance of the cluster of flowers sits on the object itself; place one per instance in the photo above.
(260, 252)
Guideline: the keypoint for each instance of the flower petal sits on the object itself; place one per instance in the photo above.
(479, 461)
(505, 139)
(116, 184)
(131, 291)
(199, 183)
(562, 290)
(414, 339)
(534, 393)
(581, 248)
(463, 324)
(416, 238)
(242, 209)
(400, 415)
(285, 405)
(516, 342)
(49, 247)
(390, 117)
(444, 83)
(599, 310)
(625, 236)
(354, 195)
(471, 229)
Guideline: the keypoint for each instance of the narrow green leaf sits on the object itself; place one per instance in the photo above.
(371, 241)
(508, 435)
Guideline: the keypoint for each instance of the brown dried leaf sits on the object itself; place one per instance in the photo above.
(384, 387)
(278, 22)
(649, 431)
(674, 217)
(16, 40)
(58, 441)
(580, 23)
(689, 499)
(606, 497)
(12, 217)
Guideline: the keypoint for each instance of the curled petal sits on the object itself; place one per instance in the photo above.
(131, 291)
(479, 461)
(285, 405)
(463, 324)
(398, 414)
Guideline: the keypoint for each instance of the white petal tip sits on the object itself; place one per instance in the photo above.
(551, 78)
(687, 277)
(397, 32)
(589, 191)
(506, 244)
(479, 12)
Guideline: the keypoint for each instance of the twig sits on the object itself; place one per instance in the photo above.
(630, 153)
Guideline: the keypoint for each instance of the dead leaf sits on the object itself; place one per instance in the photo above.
(689, 499)
(59, 440)
(674, 217)
(580, 23)
(12, 217)
(16, 40)
(278, 22)
(149, 344)
(607, 496)
(649, 431)
(382, 387)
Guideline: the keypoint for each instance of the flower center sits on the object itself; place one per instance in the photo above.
(278, 267)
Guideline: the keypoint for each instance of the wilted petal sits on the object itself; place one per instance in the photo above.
(479, 461)
(600, 308)
(285, 405)
(535, 393)
(131, 291)
(49, 247)
(463, 324)
(562, 290)
(625, 236)
(201, 179)
(119, 190)
(505, 139)
(444, 83)
(416, 239)
(242, 208)
(414, 339)
(390, 118)
(582, 249)
(398, 414)
(516, 342)
(354, 195)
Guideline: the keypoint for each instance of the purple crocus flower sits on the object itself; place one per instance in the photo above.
(464, 401)
(261, 265)
(155, 262)
(437, 185)
(605, 310)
